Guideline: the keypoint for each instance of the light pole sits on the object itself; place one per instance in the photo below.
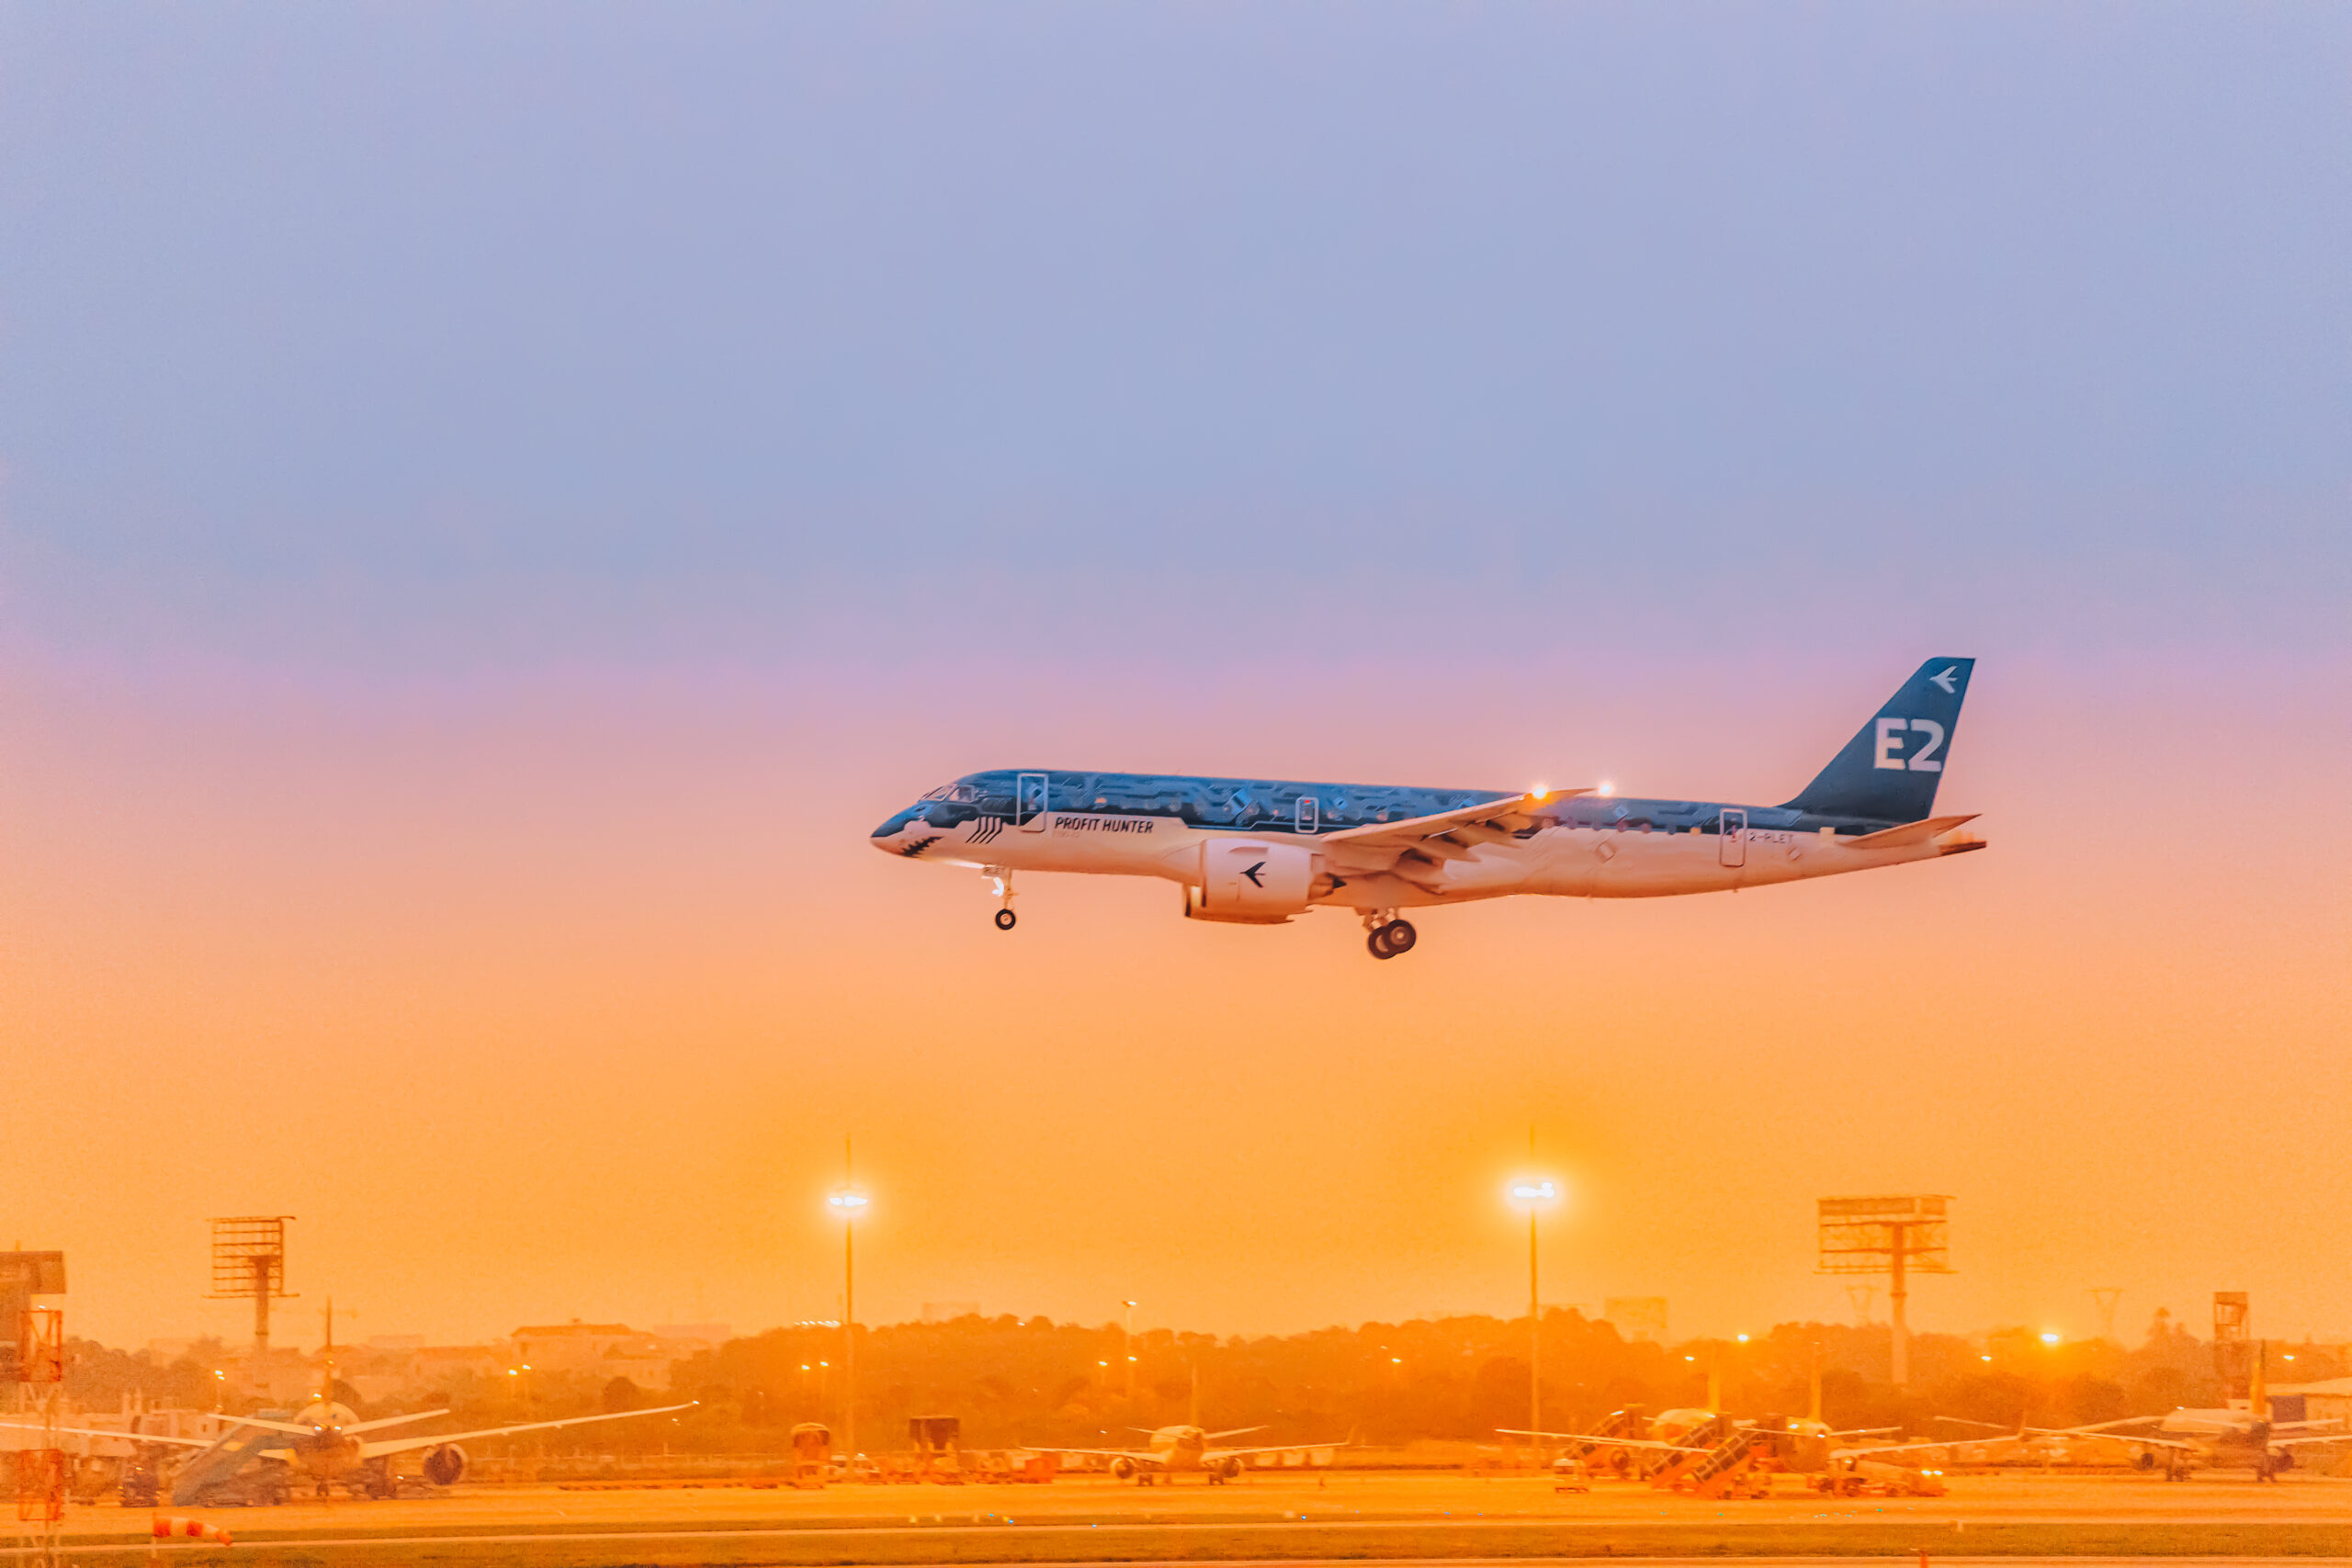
(1127, 1348)
(1534, 1194)
(848, 1203)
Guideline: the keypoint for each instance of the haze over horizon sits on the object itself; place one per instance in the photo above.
(494, 506)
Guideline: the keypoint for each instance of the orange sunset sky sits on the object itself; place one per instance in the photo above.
(497, 505)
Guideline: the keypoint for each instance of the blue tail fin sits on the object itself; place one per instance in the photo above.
(1889, 770)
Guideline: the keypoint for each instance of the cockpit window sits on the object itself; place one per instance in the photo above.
(939, 794)
(964, 794)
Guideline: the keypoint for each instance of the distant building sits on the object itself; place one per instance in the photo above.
(693, 1336)
(438, 1366)
(2329, 1401)
(1639, 1319)
(574, 1347)
(948, 1312)
(605, 1351)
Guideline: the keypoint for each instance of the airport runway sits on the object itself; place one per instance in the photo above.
(1426, 1519)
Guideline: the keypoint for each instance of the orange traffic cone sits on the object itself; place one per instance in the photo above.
(167, 1527)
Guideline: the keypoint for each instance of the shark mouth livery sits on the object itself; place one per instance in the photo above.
(1258, 851)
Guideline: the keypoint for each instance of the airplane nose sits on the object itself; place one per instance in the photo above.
(883, 836)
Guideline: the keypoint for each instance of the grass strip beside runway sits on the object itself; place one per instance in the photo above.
(1063, 1545)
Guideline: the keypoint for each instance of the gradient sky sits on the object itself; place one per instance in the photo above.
(496, 503)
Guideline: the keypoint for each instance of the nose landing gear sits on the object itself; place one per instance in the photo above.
(1389, 936)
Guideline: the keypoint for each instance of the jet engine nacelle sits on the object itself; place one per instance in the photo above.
(1251, 882)
(1122, 1469)
(445, 1464)
(1229, 1469)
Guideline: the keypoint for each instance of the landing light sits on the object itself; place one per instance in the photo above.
(1606, 789)
(1534, 1190)
(848, 1200)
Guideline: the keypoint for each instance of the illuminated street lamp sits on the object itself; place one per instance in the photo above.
(1127, 1348)
(849, 1203)
(1534, 1194)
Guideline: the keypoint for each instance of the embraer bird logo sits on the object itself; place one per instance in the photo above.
(1255, 881)
(918, 846)
(1945, 679)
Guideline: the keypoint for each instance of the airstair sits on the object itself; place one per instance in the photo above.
(217, 1474)
(1617, 1424)
(1728, 1470)
(1676, 1464)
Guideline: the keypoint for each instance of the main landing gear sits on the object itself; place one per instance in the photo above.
(1389, 935)
(1001, 878)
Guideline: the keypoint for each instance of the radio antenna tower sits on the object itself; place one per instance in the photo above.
(1894, 1236)
(2105, 1296)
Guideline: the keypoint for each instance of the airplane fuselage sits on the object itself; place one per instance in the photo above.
(1262, 852)
(1170, 826)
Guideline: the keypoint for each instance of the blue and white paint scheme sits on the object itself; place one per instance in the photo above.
(1260, 851)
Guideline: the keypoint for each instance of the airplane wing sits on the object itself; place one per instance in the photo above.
(1236, 1432)
(1874, 1449)
(2106, 1432)
(402, 1445)
(2309, 1438)
(1612, 1442)
(126, 1436)
(383, 1421)
(297, 1427)
(1418, 848)
(1211, 1455)
(1139, 1456)
(2100, 1427)
(1863, 1432)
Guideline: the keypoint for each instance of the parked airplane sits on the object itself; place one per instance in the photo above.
(330, 1447)
(1171, 1450)
(1255, 851)
(2217, 1439)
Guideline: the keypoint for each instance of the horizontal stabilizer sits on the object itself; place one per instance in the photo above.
(1918, 832)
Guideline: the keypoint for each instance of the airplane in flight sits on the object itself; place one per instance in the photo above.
(1258, 851)
(1169, 1450)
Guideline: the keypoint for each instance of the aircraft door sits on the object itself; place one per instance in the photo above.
(1732, 843)
(1029, 806)
(1308, 814)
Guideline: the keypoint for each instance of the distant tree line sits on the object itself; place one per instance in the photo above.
(1030, 1380)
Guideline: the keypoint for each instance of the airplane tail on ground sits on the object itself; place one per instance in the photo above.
(1890, 769)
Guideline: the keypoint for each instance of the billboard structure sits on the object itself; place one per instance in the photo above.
(1893, 1236)
(249, 1263)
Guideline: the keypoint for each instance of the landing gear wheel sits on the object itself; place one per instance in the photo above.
(1398, 936)
(1006, 920)
(1378, 942)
